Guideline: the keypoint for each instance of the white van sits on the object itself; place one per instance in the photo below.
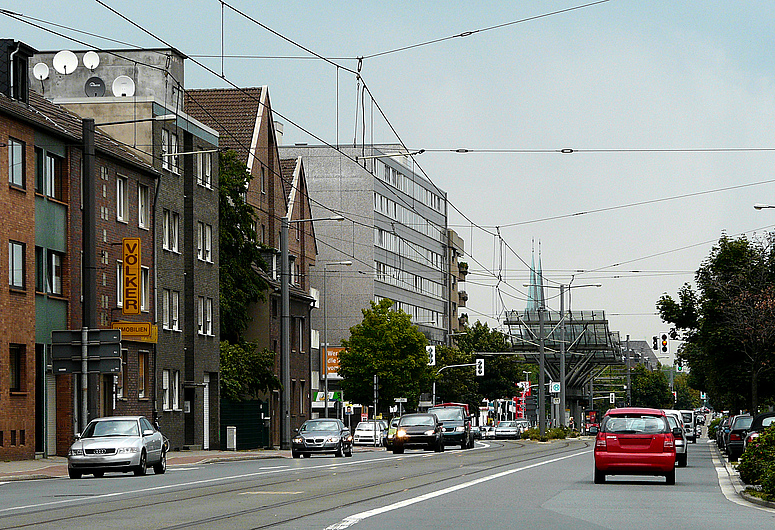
(690, 423)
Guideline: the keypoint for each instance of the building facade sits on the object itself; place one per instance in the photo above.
(137, 97)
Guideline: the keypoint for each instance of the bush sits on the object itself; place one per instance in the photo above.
(557, 434)
(757, 464)
(531, 434)
(712, 427)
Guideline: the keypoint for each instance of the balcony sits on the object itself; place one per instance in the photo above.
(462, 270)
(462, 298)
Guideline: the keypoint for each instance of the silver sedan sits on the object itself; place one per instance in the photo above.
(120, 443)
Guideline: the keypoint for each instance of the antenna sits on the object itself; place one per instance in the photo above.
(91, 60)
(123, 86)
(40, 71)
(94, 87)
(65, 62)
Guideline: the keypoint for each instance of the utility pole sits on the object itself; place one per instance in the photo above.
(89, 267)
(562, 356)
(629, 386)
(541, 376)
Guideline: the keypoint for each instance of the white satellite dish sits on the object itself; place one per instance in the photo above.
(91, 60)
(65, 62)
(40, 71)
(123, 86)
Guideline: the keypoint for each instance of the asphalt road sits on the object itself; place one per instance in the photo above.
(507, 484)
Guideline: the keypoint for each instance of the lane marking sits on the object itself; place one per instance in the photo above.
(358, 517)
(271, 492)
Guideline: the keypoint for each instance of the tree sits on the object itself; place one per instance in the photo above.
(246, 372)
(388, 345)
(728, 323)
(239, 252)
(456, 384)
(501, 372)
(650, 389)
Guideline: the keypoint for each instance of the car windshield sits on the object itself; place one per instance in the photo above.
(99, 429)
(506, 424)
(634, 425)
(410, 421)
(365, 427)
(446, 414)
(320, 426)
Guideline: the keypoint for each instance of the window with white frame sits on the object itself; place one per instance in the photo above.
(175, 310)
(209, 317)
(16, 264)
(208, 243)
(166, 229)
(175, 389)
(143, 206)
(165, 309)
(54, 272)
(174, 149)
(165, 390)
(122, 209)
(120, 284)
(174, 232)
(145, 288)
(205, 175)
(17, 164)
(200, 240)
(169, 145)
(200, 311)
(142, 374)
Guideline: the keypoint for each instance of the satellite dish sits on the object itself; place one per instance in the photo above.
(40, 71)
(91, 60)
(94, 87)
(65, 62)
(123, 86)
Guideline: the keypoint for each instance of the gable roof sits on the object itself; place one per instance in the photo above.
(230, 111)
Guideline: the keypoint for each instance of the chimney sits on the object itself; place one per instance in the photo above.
(278, 132)
(14, 76)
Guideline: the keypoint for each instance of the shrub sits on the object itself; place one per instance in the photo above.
(712, 428)
(531, 434)
(556, 434)
(757, 464)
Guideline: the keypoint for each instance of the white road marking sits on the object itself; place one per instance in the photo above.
(353, 519)
(271, 492)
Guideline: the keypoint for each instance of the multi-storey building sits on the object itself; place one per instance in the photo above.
(278, 189)
(136, 96)
(395, 235)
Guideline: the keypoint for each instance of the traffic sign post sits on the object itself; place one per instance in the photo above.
(103, 351)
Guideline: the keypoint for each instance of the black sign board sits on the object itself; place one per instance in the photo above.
(103, 350)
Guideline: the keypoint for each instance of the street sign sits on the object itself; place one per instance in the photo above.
(612, 397)
(104, 365)
(399, 400)
(556, 401)
(131, 277)
(554, 387)
(103, 350)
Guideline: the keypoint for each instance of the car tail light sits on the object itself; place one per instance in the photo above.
(751, 437)
(734, 437)
(600, 443)
(669, 442)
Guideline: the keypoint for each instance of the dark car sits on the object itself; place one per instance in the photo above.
(759, 425)
(457, 426)
(721, 432)
(635, 441)
(738, 430)
(419, 430)
(322, 436)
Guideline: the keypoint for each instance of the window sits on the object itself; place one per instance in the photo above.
(123, 377)
(120, 284)
(143, 202)
(169, 145)
(165, 312)
(40, 170)
(170, 225)
(121, 199)
(302, 397)
(166, 228)
(54, 272)
(200, 244)
(16, 163)
(16, 267)
(205, 174)
(40, 269)
(142, 374)
(200, 310)
(175, 388)
(165, 390)
(208, 250)
(16, 365)
(170, 310)
(145, 288)
(263, 179)
(53, 177)
(209, 317)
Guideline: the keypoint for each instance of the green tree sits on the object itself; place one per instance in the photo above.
(501, 372)
(650, 389)
(686, 396)
(456, 384)
(388, 345)
(729, 323)
(246, 372)
(239, 252)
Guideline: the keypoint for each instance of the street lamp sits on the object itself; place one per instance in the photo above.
(325, 325)
(285, 332)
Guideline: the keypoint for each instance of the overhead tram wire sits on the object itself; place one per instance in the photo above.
(19, 16)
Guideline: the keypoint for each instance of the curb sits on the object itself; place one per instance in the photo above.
(756, 500)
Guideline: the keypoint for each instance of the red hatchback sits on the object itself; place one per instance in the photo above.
(635, 441)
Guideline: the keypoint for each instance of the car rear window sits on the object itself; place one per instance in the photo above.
(766, 422)
(687, 417)
(743, 422)
(635, 424)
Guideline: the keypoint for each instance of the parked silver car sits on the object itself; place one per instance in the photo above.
(119, 443)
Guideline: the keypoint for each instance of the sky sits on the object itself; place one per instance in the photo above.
(668, 107)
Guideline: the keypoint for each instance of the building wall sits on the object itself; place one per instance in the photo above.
(17, 306)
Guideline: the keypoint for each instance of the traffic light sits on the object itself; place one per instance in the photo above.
(656, 344)
(664, 342)
(480, 367)
(530, 404)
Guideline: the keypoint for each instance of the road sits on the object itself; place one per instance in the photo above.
(503, 484)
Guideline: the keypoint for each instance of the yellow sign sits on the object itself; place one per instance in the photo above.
(131, 279)
(137, 331)
(332, 361)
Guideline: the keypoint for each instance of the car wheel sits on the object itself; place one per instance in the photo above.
(349, 451)
(670, 478)
(339, 451)
(142, 468)
(161, 467)
(682, 459)
(599, 477)
(72, 473)
(295, 454)
(99, 474)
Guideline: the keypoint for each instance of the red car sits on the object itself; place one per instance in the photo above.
(635, 441)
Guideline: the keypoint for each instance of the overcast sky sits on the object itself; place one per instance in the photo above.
(670, 106)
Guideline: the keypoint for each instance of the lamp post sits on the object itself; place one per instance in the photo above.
(325, 326)
(285, 330)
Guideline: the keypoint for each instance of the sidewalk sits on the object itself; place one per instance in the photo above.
(56, 466)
